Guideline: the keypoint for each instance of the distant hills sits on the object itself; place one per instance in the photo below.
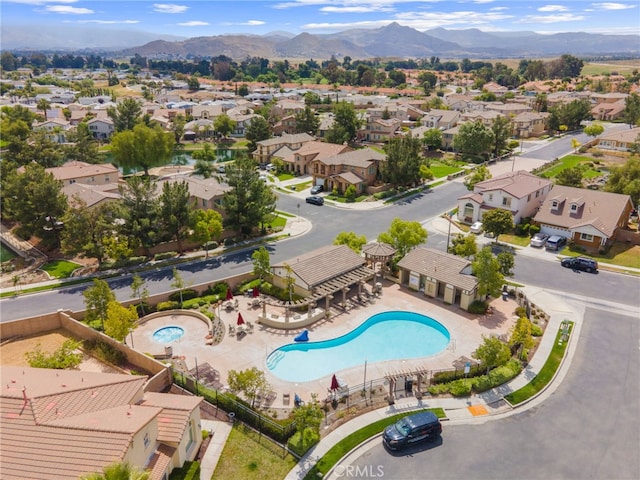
(392, 40)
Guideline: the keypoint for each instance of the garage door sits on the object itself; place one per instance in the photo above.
(555, 231)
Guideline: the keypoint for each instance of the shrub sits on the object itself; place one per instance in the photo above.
(210, 245)
(478, 307)
(66, 356)
(229, 241)
(163, 306)
(216, 289)
(187, 294)
(105, 352)
(194, 303)
(460, 388)
(536, 330)
(533, 229)
(521, 312)
(165, 255)
(189, 471)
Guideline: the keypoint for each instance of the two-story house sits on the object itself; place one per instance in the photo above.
(358, 168)
(521, 193)
(590, 218)
(530, 124)
(101, 127)
(86, 173)
(299, 161)
(379, 130)
(56, 128)
(441, 119)
(266, 149)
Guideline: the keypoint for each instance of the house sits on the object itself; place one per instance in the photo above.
(322, 272)
(589, 218)
(447, 137)
(267, 148)
(608, 111)
(90, 196)
(358, 168)
(287, 124)
(204, 193)
(61, 424)
(207, 112)
(439, 275)
(508, 109)
(530, 124)
(486, 117)
(56, 128)
(87, 173)
(441, 119)
(101, 127)
(496, 89)
(521, 192)
(299, 161)
(622, 140)
(379, 130)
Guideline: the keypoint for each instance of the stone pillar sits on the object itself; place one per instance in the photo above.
(360, 288)
(419, 382)
(344, 296)
(392, 388)
(328, 299)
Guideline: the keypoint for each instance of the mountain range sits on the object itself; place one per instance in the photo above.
(392, 40)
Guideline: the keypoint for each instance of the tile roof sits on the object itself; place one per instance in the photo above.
(76, 169)
(518, 184)
(91, 194)
(439, 265)
(601, 210)
(324, 264)
(356, 158)
(287, 139)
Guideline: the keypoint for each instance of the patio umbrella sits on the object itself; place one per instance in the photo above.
(256, 292)
(240, 319)
(229, 294)
(334, 383)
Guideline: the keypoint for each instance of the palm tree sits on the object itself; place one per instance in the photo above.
(118, 471)
(44, 105)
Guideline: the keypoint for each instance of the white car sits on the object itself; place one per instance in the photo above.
(476, 227)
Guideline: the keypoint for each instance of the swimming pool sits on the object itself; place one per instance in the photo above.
(385, 336)
(168, 334)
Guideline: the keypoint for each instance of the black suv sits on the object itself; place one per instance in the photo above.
(580, 263)
(315, 200)
(316, 189)
(412, 429)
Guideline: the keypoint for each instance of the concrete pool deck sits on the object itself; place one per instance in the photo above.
(235, 353)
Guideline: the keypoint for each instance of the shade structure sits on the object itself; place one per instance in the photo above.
(256, 292)
(302, 336)
(229, 294)
(240, 319)
(335, 385)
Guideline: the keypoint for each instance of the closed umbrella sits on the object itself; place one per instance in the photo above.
(334, 383)
(229, 294)
(256, 292)
(240, 319)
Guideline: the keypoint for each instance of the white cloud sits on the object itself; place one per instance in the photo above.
(39, 2)
(482, 1)
(357, 9)
(193, 23)
(498, 9)
(68, 10)
(565, 17)
(352, 6)
(169, 8)
(553, 8)
(111, 22)
(613, 6)
(249, 23)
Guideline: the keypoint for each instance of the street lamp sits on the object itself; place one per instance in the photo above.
(449, 232)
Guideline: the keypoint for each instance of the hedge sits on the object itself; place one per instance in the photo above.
(187, 294)
(189, 471)
(464, 386)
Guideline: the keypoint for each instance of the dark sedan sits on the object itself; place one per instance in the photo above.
(315, 200)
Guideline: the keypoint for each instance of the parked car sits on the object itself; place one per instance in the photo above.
(555, 242)
(476, 227)
(539, 239)
(316, 189)
(315, 200)
(412, 429)
(271, 167)
(580, 263)
(221, 169)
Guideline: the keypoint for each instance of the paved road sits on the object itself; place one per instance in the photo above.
(588, 428)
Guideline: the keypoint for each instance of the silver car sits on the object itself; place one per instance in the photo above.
(539, 239)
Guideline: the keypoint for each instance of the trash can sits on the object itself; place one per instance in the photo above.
(505, 295)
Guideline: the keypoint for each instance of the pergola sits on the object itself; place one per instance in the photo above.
(378, 253)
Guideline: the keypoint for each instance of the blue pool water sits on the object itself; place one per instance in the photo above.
(168, 334)
(384, 336)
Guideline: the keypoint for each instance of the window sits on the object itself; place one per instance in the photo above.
(490, 196)
(506, 202)
(529, 198)
(586, 237)
(146, 440)
(574, 207)
(554, 204)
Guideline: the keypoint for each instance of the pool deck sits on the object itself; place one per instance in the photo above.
(235, 353)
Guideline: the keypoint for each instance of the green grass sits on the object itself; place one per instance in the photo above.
(440, 170)
(285, 176)
(340, 449)
(620, 254)
(515, 239)
(300, 186)
(60, 268)
(571, 161)
(278, 221)
(247, 456)
(548, 370)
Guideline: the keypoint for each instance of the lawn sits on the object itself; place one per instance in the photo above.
(248, 456)
(571, 161)
(621, 254)
(285, 176)
(440, 170)
(60, 268)
(517, 240)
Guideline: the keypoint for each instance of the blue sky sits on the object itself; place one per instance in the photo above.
(204, 18)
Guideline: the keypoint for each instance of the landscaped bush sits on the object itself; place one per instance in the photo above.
(536, 330)
(210, 245)
(194, 303)
(216, 289)
(129, 262)
(309, 439)
(165, 255)
(189, 471)
(187, 294)
(163, 306)
(520, 312)
(463, 387)
(104, 352)
(533, 229)
(478, 307)
(451, 375)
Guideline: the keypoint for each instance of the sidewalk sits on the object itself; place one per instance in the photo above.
(477, 408)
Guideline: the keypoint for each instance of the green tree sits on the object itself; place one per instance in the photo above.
(143, 147)
(521, 337)
(425, 173)
(497, 222)
(402, 166)
(85, 229)
(43, 105)
(43, 150)
(492, 353)
(177, 127)
(116, 247)
(258, 130)
(575, 144)
(178, 283)
(502, 129)
(464, 245)
(207, 226)
(84, 147)
(625, 179)
(289, 281)
(250, 382)
(34, 198)
(507, 262)
(68, 356)
(474, 140)
(204, 168)
(139, 291)
(125, 115)
(193, 83)
(403, 235)
(140, 210)
(631, 112)
(176, 210)
(432, 139)
(118, 471)
(250, 202)
(570, 177)
(96, 299)
(308, 418)
(352, 240)
(570, 115)
(593, 130)
(224, 125)
(307, 121)
(345, 124)
(120, 320)
(486, 269)
(479, 174)
(261, 263)
(350, 193)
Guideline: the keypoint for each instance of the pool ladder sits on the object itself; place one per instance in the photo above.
(274, 358)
